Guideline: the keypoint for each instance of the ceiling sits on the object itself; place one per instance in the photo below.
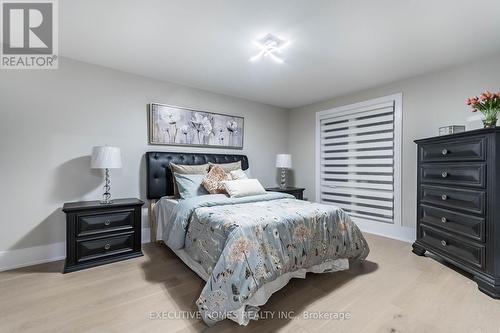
(338, 46)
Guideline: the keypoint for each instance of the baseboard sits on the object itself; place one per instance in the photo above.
(12, 259)
(35, 255)
(405, 234)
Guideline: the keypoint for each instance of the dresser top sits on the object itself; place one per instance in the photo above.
(83, 205)
(459, 135)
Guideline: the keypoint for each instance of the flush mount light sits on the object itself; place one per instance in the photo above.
(269, 46)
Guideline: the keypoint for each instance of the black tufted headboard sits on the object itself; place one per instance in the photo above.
(159, 177)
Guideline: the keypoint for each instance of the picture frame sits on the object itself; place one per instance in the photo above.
(172, 125)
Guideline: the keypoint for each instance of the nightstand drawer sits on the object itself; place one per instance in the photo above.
(90, 224)
(104, 247)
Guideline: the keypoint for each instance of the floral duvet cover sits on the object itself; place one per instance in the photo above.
(245, 243)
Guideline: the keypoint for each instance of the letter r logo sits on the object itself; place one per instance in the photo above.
(27, 27)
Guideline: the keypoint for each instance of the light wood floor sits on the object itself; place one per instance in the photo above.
(394, 291)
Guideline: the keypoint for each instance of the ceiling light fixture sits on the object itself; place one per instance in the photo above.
(269, 45)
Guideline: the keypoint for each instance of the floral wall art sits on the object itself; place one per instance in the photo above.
(173, 125)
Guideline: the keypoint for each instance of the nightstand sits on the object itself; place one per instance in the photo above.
(297, 192)
(98, 234)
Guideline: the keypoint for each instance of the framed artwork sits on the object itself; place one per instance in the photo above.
(179, 126)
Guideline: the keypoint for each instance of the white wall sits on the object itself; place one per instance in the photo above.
(49, 121)
(429, 101)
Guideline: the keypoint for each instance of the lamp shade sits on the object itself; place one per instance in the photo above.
(284, 161)
(105, 157)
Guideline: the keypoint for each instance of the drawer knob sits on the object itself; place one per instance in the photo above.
(107, 246)
(444, 197)
(444, 220)
(444, 174)
(108, 222)
(443, 242)
(444, 152)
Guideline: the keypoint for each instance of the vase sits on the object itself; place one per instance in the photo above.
(490, 123)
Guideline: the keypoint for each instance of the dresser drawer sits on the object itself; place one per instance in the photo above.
(461, 224)
(104, 247)
(473, 175)
(471, 201)
(454, 150)
(469, 253)
(89, 224)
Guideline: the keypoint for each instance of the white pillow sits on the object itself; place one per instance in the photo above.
(238, 174)
(243, 188)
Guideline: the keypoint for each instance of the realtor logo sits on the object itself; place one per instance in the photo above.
(29, 34)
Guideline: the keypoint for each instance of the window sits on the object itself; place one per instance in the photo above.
(358, 149)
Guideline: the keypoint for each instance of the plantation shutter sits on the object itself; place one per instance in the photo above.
(356, 156)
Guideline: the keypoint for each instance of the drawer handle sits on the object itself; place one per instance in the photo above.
(443, 242)
(108, 222)
(444, 152)
(444, 174)
(444, 220)
(444, 197)
(107, 246)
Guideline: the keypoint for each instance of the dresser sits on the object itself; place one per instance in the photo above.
(98, 234)
(458, 203)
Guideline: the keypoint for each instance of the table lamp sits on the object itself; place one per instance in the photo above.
(283, 161)
(105, 157)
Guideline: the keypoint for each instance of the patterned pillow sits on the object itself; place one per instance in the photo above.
(213, 181)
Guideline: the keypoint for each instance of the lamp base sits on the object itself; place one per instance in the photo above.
(283, 179)
(106, 202)
(106, 196)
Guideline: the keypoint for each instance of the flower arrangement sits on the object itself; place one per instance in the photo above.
(488, 104)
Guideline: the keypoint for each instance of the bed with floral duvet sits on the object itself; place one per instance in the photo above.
(247, 248)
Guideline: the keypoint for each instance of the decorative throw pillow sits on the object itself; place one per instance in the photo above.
(200, 169)
(227, 167)
(213, 180)
(238, 174)
(243, 188)
(189, 185)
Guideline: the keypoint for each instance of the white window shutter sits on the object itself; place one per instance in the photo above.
(356, 155)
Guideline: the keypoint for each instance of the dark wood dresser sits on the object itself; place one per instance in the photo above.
(458, 203)
(98, 234)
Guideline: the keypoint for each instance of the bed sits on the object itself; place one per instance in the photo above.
(246, 248)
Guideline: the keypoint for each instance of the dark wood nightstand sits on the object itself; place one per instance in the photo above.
(297, 192)
(98, 234)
